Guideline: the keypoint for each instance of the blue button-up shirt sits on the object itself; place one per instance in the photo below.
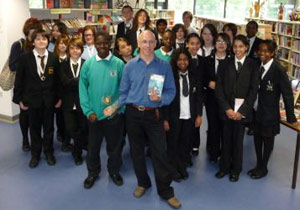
(135, 81)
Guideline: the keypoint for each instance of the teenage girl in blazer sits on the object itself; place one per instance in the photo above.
(274, 82)
(236, 90)
(214, 130)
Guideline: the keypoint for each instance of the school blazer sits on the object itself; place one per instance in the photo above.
(69, 83)
(274, 84)
(231, 85)
(121, 30)
(132, 38)
(252, 54)
(172, 112)
(30, 89)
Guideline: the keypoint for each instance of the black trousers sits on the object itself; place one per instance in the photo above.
(195, 138)
(60, 124)
(178, 143)
(24, 123)
(112, 130)
(39, 118)
(263, 148)
(138, 124)
(76, 127)
(232, 149)
(214, 131)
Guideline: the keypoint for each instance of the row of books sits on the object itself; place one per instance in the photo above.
(296, 72)
(286, 29)
(284, 41)
(296, 58)
(283, 53)
(296, 45)
(95, 4)
(70, 23)
(102, 19)
(297, 30)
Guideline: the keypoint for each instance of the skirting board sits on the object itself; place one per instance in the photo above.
(9, 119)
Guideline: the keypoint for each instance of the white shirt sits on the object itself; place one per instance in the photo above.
(236, 61)
(166, 53)
(178, 42)
(266, 67)
(185, 112)
(217, 62)
(251, 41)
(78, 68)
(107, 58)
(128, 25)
(138, 31)
(89, 51)
(192, 30)
(40, 71)
(61, 59)
(203, 51)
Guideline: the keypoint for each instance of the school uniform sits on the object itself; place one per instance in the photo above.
(236, 79)
(214, 130)
(179, 44)
(274, 82)
(75, 121)
(123, 29)
(204, 52)
(37, 88)
(197, 65)
(163, 55)
(181, 115)
(253, 47)
(132, 37)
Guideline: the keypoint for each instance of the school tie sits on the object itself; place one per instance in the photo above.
(185, 88)
(127, 28)
(262, 70)
(140, 31)
(42, 61)
(239, 67)
(181, 45)
(75, 67)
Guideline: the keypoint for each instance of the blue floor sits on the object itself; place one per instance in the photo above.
(60, 187)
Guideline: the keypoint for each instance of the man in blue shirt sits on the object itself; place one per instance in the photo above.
(142, 115)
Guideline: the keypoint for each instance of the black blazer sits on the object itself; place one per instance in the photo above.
(172, 112)
(70, 94)
(30, 89)
(121, 30)
(274, 83)
(132, 39)
(253, 52)
(231, 85)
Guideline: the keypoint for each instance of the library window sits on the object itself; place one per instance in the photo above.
(180, 6)
(211, 8)
(272, 6)
(238, 9)
(36, 4)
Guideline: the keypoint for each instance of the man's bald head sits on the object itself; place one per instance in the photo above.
(146, 33)
(147, 43)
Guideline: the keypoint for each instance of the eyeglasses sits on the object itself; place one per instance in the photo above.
(221, 42)
(88, 34)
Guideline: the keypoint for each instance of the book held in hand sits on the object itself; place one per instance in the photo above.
(156, 84)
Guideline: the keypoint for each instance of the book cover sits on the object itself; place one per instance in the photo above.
(65, 3)
(156, 83)
(56, 3)
(50, 4)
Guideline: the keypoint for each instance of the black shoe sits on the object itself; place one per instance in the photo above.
(89, 181)
(34, 162)
(117, 179)
(260, 173)
(195, 151)
(25, 145)
(213, 160)
(50, 159)
(189, 163)
(250, 132)
(252, 171)
(184, 175)
(148, 152)
(234, 177)
(78, 159)
(66, 147)
(220, 174)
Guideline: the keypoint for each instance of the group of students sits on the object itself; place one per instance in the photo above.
(235, 77)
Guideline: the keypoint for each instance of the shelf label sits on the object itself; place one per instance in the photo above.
(60, 11)
(96, 12)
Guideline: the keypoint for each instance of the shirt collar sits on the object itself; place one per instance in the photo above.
(128, 23)
(107, 58)
(155, 59)
(194, 56)
(177, 41)
(242, 60)
(267, 65)
(168, 53)
(78, 62)
(142, 28)
(36, 54)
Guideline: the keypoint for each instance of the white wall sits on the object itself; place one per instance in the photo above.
(13, 14)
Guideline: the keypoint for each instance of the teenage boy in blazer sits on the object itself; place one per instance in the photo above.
(125, 26)
(75, 121)
(36, 91)
(237, 85)
(274, 82)
(183, 114)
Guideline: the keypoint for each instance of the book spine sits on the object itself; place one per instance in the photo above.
(56, 4)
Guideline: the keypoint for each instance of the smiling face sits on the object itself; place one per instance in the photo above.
(193, 45)
(168, 40)
(102, 46)
(251, 30)
(127, 14)
(180, 34)
(75, 52)
(62, 47)
(221, 45)
(89, 37)
(142, 18)
(55, 32)
(40, 42)
(147, 43)
(182, 62)
(239, 49)
(265, 55)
